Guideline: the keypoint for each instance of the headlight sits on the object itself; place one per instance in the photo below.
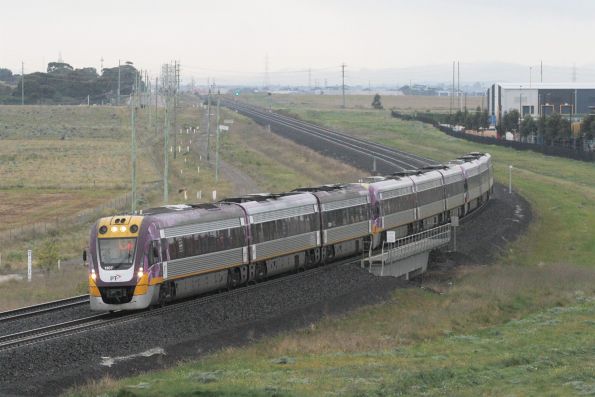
(93, 275)
(140, 273)
(114, 229)
(122, 228)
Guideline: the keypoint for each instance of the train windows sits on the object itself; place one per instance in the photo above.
(204, 243)
(116, 253)
(455, 188)
(286, 227)
(153, 253)
(430, 196)
(345, 216)
(398, 204)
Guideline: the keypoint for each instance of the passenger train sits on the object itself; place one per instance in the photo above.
(177, 251)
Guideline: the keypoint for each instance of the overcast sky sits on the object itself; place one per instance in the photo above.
(229, 39)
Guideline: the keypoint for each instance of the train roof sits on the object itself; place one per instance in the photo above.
(176, 208)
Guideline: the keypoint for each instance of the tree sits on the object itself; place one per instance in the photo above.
(47, 255)
(564, 132)
(510, 121)
(528, 126)
(376, 104)
(588, 127)
(54, 67)
(5, 75)
(552, 127)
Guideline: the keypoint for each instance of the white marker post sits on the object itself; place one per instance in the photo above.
(29, 264)
(454, 222)
(510, 179)
(214, 195)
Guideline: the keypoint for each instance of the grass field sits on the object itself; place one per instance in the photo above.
(328, 102)
(522, 326)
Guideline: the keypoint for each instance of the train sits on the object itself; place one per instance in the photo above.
(172, 252)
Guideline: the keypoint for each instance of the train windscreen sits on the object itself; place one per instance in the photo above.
(116, 253)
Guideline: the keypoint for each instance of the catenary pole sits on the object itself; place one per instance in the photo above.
(133, 146)
(22, 83)
(118, 99)
(209, 125)
(343, 84)
(217, 142)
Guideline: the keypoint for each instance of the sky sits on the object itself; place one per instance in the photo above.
(229, 40)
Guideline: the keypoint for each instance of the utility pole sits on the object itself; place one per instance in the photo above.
(209, 125)
(118, 99)
(459, 84)
(217, 143)
(133, 147)
(156, 98)
(166, 141)
(452, 90)
(22, 83)
(343, 85)
(541, 73)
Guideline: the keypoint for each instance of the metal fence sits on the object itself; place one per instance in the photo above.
(582, 150)
(416, 243)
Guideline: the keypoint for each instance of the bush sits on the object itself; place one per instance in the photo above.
(47, 255)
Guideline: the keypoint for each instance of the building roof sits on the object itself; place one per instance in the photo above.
(548, 86)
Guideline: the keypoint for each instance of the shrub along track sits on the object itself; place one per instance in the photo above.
(234, 319)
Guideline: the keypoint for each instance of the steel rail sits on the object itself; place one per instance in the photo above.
(33, 310)
(407, 159)
(106, 319)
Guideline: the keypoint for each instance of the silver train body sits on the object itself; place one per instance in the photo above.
(173, 252)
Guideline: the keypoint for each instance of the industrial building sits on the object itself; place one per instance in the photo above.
(572, 99)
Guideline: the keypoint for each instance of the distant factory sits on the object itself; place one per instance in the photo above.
(574, 100)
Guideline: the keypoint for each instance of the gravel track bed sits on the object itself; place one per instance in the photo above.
(44, 319)
(48, 367)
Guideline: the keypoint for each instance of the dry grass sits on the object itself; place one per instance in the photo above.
(69, 281)
(263, 156)
(77, 163)
(325, 102)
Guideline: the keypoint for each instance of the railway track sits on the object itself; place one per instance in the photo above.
(393, 159)
(43, 308)
(103, 320)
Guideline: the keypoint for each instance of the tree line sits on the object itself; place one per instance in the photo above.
(63, 84)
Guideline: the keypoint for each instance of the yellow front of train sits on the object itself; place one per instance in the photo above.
(117, 260)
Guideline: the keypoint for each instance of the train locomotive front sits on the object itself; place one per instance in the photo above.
(118, 260)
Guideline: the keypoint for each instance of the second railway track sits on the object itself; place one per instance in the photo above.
(44, 333)
(43, 308)
(395, 160)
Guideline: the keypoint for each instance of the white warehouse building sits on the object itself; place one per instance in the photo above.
(572, 99)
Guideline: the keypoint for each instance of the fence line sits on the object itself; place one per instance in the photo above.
(78, 219)
(567, 152)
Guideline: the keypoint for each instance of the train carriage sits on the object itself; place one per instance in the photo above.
(429, 189)
(345, 218)
(284, 231)
(168, 252)
(454, 189)
(393, 203)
